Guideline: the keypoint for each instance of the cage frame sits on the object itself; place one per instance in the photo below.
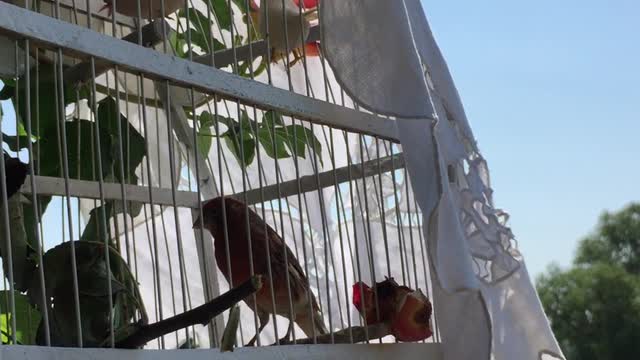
(48, 32)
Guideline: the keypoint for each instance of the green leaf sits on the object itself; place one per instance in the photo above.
(23, 266)
(8, 81)
(245, 71)
(207, 119)
(133, 208)
(204, 141)
(222, 12)
(237, 40)
(261, 68)
(133, 147)
(27, 319)
(248, 147)
(83, 93)
(196, 19)
(94, 230)
(43, 105)
(266, 138)
(82, 165)
(178, 44)
(21, 130)
(93, 277)
(270, 119)
(28, 214)
(302, 137)
(15, 143)
(7, 92)
(44, 100)
(246, 122)
(202, 40)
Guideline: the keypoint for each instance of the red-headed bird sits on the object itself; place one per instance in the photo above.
(405, 311)
(263, 237)
(307, 4)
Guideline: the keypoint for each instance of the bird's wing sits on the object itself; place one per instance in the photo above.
(295, 269)
(297, 278)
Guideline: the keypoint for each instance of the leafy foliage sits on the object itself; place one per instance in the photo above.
(594, 311)
(26, 316)
(277, 139)
(199, 27)
(594, 307)
(21, 250)
(239, 137)
(94, 275)
(615, 241)
(92, 271)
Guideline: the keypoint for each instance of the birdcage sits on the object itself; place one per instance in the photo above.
(267, 179)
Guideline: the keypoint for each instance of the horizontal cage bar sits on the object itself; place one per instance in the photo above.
(55, 33)
(47, 185)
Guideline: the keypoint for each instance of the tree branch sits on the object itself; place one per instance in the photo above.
(200, 315)
(343, 336)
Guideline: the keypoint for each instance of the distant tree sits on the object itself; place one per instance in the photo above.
(616, 241)
(594, 307)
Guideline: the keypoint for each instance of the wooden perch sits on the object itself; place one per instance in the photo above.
(201, 315)
(152, 34)
(375, 331)
(230, 331)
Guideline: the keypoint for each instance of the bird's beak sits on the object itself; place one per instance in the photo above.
(197, 224)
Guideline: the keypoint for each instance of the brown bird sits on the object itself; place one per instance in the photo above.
(263, 239)
(272, 17)
(406, 311)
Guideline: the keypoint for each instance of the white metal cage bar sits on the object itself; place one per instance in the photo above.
(318, 191)
(51, 32)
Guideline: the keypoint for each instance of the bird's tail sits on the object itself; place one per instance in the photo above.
(309, 323)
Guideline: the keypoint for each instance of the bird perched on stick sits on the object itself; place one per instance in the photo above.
(407, 312)
(264, 240)
(149, 9)
(271, 19)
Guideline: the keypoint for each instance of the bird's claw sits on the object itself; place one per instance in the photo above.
(297, 56)
(251, 342)
(284, 340)
(108, 7)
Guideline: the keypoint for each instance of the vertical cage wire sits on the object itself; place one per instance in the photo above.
(336, 220)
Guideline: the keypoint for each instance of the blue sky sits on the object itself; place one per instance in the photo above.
(552, 91)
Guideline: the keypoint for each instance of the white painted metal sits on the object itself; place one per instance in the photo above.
(152, 34)
(8, 58)
(206, 182)
(325, 179)
(46, 185)
(408, 351)
(162, 196)
(51, 32)
(258, 48)
(48, 31)
(94, 6)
